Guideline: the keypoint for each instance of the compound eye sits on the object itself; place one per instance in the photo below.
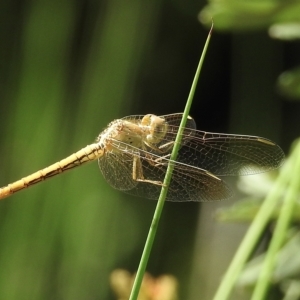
(146, 121)
(157, 128)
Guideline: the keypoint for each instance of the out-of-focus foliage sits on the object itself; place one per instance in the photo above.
(237, 15)
(257, 188)
(286, 271)
(280, 261)
(280, 18)
(287, 263)
(245, 210)
(288, 84)
(256, 60)
(285, 31)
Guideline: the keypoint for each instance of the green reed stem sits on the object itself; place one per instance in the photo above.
(153, 228)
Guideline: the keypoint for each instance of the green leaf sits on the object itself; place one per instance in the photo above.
(285, 31)
(288, 84)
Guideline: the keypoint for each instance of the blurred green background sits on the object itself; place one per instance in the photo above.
(68, 68)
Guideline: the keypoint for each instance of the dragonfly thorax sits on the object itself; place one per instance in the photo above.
(121, 133)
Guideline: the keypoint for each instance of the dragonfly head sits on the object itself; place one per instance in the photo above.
(157, 128)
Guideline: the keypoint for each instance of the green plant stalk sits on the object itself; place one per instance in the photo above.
(159, 207)
(254, 232)
(281, 228)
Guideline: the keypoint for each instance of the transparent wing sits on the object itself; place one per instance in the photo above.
(187, 184)
(225, 154)
(202, 155)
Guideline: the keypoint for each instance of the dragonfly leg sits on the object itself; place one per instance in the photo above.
(165, 157)
(159, 160)
(162, 148)
(153, 147)
(167, 146)
(137, 172)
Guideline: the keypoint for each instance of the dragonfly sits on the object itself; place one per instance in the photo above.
(134, 152)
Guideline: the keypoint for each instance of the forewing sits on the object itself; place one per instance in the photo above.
(225, 154)
(220, 154)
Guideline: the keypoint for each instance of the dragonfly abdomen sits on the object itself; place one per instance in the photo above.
(88, 153)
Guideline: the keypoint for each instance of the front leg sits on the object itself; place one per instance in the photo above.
(158, 161)
(162, 148)
(167, 146)
(137, 172)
